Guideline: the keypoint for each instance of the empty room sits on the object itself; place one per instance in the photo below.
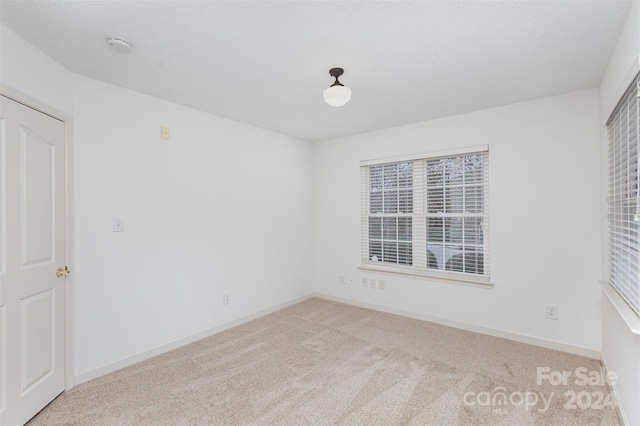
(319, 212)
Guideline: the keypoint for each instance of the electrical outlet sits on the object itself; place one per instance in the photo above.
(118, 224)
(364, 282)
(372, 283)
(552, 312)
(380, 284)
(226, 299)
(340, 279)
(351, 280)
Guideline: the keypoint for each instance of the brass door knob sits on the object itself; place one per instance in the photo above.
(62, 271)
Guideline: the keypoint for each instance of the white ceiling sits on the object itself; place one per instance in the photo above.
(266, 63)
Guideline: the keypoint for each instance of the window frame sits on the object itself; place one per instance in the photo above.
(623, 197)
(419, 214)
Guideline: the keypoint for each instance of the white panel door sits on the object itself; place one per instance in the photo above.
(32, 247)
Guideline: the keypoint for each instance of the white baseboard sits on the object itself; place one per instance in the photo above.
(133, 359)
(522, 338)
(619, 408)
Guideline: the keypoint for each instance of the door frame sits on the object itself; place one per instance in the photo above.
(16, 95)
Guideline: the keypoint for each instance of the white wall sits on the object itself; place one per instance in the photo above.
(26, 69)
(620, 347)
(221, 207)
(544, 216)
(162, 279)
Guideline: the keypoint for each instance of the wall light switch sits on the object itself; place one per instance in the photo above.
(118, 224)
(164, 133)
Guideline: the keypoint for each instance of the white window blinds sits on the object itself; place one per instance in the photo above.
(624, 213)
(427, 215)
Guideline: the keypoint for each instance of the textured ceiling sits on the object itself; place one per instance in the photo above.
(266, 63)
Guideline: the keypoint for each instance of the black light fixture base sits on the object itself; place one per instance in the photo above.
(336, 72)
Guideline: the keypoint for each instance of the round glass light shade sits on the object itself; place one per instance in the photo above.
(337, 95)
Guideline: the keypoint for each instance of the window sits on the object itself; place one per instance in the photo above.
(427, 215)
(391, 211)
(623, 197)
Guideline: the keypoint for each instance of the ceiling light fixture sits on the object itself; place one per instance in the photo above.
(337, 95)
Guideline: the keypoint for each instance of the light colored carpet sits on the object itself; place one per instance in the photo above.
(322, 363)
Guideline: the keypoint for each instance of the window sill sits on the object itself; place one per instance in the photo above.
(628, 315)
(483, 282)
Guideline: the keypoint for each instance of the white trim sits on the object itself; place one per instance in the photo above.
(522, 338)
(437, 154)
(33, 103)
(67, 119)
(626, 313)
(621, 90)
(166, 347)
(70, 279)
(130, 360)
(449, 277)
(619, 408)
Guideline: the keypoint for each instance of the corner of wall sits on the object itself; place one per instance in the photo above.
(25, 68)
